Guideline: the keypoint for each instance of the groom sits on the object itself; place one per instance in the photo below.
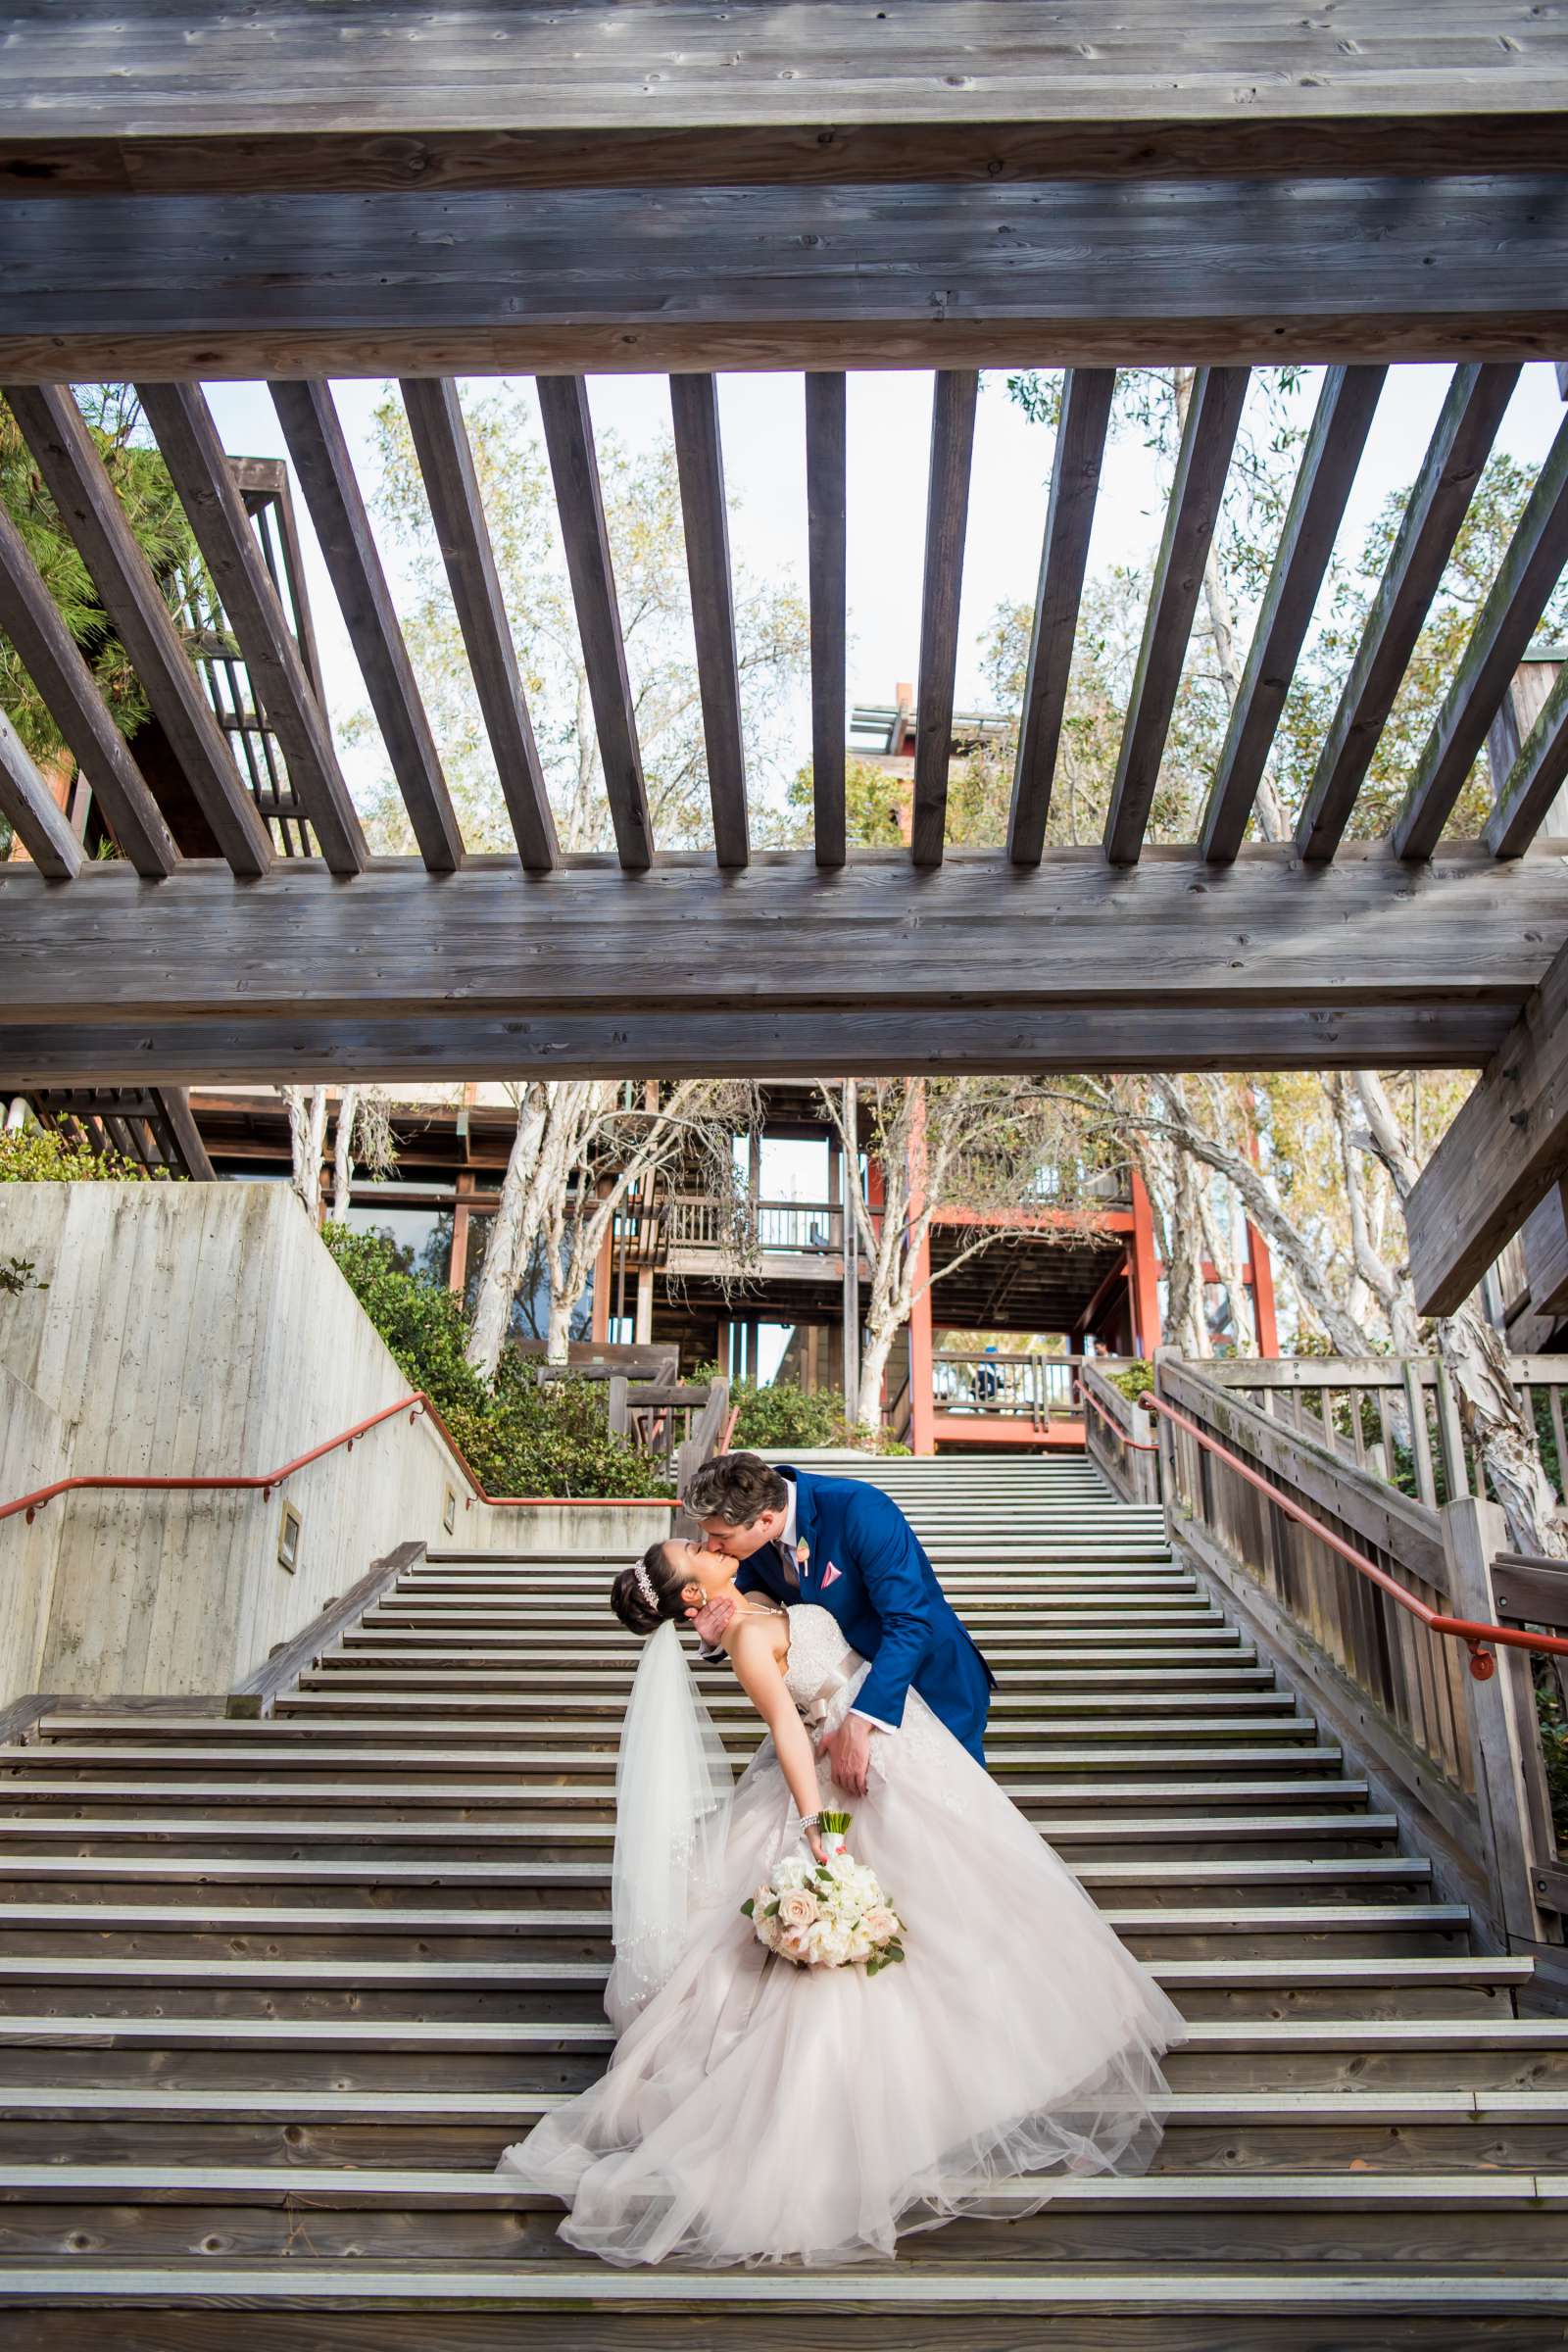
(847, 1547)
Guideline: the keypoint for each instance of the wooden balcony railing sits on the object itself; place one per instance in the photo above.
(765, 1229)
(1116, 1436)
(1029, 1388)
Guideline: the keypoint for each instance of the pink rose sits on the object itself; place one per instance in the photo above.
(797, 1909)
(879, 1925)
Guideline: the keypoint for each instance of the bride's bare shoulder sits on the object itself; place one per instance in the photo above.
(757, 1635)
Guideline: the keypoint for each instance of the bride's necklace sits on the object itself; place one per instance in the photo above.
(768, 1607)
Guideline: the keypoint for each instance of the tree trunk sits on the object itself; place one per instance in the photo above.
(875, 1351)
(307, 1134)
(558, 1339)
(512, 1233)
(343, 1153)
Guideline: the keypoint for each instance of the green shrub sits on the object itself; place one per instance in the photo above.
(519, 1438)
(38, 1155)
(1134, 1380)
(776, 1413)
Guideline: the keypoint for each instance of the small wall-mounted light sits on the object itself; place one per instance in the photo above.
(449, 1512)
(288, 1539)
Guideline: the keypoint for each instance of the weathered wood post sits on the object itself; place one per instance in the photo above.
(1513, 1800)
(1165, 1438)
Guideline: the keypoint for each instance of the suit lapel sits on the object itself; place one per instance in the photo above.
(806, 1531)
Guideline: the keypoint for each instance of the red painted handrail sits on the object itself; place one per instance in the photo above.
(1474, 1635)
(415, 1404)
(1087, 1397)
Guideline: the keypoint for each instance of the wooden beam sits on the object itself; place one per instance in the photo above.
(827, 556)
(1534, 779)
(802, 1043)
(877, 935)
(33, 813)
(173, 1107)
(1035, 273)
(1081, 428)
(335, 94)
(52, 659)
(699, 462)
(574, 468)
(1209, 436)
(1526, 578)
(954, 395)
(325, 469)
(79, 482)
(199, 468)
(1506, 1145)
(452, 486)
(1328, 462)
(1461, 440)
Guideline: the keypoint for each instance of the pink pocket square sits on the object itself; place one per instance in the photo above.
(830, 1575)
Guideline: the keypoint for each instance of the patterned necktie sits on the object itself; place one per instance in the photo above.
(792, 1575)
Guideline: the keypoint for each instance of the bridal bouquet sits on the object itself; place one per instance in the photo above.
(829, 1914)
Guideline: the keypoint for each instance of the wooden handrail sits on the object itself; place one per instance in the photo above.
(1472, 1633)
(416, 1404)
(1137, 1445)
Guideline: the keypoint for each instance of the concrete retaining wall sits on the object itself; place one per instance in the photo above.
(198, 1330)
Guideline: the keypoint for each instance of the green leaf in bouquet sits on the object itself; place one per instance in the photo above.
(772, 1909)
(748, 1907)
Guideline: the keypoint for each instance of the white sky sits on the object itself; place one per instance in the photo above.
(889, 426)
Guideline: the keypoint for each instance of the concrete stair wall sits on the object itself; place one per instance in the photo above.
(274, 1993)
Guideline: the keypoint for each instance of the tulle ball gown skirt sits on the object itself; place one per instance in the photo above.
(755, 2113)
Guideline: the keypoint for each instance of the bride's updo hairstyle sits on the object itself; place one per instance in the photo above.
(643, 1597)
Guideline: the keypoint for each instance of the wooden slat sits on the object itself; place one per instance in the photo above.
(1526, 578)
(194, 454)
(953, 411)
(574, 468)
(827, 554)
(321, 459)
(1203, 461)
(794, 1043)
(52, 659)
(1328, 462)
(1460, 443)
(63, 452)
(699, 458)
(1082, 424)
(1507, 1142)
(173, 1107)
(1014, 273)
(452, 486)
(1532, 784)
(32, 811)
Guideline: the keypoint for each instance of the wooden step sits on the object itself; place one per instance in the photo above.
(367, 1869)
(1307, 2309)
(1324, 1983)
(388, 2214)
(394, 1794)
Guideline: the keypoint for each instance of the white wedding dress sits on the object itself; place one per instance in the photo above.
(753, 2112)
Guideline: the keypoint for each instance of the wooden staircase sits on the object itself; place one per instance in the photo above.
(275, 1993)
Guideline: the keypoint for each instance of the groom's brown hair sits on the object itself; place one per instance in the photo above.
(736, 1487)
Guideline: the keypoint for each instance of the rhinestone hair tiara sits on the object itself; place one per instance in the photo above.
(645, 1586)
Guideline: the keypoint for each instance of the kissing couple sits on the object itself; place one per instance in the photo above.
(755, 2112)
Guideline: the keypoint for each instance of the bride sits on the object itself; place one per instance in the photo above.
(755, 2112)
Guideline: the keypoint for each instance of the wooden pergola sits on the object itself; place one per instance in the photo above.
(367, 187)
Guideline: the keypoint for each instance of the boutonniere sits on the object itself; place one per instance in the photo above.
(802, 1558)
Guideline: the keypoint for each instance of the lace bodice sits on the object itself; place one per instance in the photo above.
(817, 1650)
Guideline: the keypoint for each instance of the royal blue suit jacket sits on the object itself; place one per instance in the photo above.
(888, 1601)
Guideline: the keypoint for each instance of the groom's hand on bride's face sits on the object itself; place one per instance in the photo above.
(710, 1621)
